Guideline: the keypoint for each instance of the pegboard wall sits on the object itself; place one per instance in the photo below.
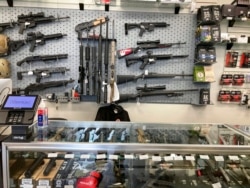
(181, 29)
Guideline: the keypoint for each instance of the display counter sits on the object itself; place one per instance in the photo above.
(72, 154)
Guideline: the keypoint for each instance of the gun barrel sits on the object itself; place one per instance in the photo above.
(156, 24)
(54, 36)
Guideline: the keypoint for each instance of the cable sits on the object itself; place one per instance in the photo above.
(1, 133)
(1, 92)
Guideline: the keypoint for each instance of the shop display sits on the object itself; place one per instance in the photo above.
(151, 155)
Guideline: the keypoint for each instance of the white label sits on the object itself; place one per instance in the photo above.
(44, 74)
(26, 186)
(204, 156)
(128, 156)
(68, 186)
(30, 73)
(42, 186)
(27, 181)
(243, 156)
(156, 158)
(115, 157)
(143, 157)
(219, 158)
(69, 156)
(52, 155)
(101, 156)
(216, 185)
(43, 182)
(178, 158)
(190, 158)
(85, 156)
(168, 158)
(233, 157)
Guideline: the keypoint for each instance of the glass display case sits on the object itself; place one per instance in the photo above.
(73, 154)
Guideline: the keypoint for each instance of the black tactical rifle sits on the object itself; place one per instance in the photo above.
(87, 26)
(150, 59)
(151, 75)
(146, 88)
(42, 86)
(144, 26)
(44, 58)
(145, 45)
(35, 39)
(31, 20)
(7, 25)
(39, 38)
(42, 73)
(167, 93)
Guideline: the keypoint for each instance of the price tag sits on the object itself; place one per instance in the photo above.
(204, 156)
(233, 157)
(115, 157)
(44, 74)
(216, 185)
(68, 186)
(143, 157)
(69, 156)
(190, 158)
(168, 158)
(101, 156)
(43, 182)
(178, 158)
(243, 156)
(219, 158)
(52, 155)
(30, 73)
(27, 181)
(156, 158)
(43, 186)
(85, 156)
(128, 156)
(26, 186)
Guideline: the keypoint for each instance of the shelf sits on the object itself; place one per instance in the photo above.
(120, 5)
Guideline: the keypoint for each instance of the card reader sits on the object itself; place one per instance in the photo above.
(19, 109)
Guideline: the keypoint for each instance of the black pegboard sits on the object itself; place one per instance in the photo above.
(181, 29)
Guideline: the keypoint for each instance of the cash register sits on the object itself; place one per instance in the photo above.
(19, 112)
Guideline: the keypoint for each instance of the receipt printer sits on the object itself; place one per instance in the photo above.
(19, 109)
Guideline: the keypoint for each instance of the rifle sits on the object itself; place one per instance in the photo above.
(144, 45)
(7, 25)
(41, 86)
(93, 49)
(144, 26)
(99, 87)
(87, 59)
(150, 59)
(128, 78)
(35, 39)
(39, 39)
(86, 26)
(146, 88)
(106, 62)
(31, 20)
(42, 73)
(167, 93)
(45, 58)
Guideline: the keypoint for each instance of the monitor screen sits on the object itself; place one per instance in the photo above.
(22, 102)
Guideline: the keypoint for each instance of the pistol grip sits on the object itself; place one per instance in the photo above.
(22, 28)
